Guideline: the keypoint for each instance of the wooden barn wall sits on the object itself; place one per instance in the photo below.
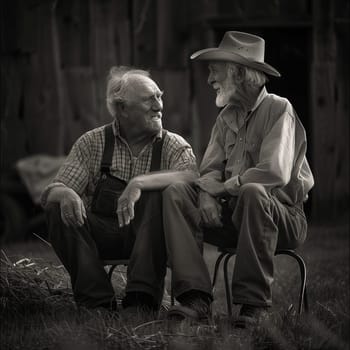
(55, 58)
(56, 54)
(31, 108)
(330, 104)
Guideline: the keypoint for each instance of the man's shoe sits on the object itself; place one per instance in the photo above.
(250, 315)
(138, 305)
(194, 307)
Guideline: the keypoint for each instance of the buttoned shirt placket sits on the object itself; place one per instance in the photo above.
(239, 148)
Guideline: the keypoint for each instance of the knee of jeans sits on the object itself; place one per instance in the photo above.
(252, 191)
(151, 195)
(176, 190)
(53, 211)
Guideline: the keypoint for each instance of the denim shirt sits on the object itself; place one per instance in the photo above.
(265, 146)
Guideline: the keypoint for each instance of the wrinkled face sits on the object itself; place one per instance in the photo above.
(144, 105)
(220, 79)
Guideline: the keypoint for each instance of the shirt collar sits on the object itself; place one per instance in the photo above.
(262, 95)
(233, 117)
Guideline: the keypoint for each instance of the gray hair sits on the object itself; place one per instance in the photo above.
(252, 77)
(117, 83)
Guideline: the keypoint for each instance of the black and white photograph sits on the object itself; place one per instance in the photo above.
(174, 174)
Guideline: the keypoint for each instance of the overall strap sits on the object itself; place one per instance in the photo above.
(157, 153)
(108, 149)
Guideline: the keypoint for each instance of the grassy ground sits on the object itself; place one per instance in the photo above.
(37, 310)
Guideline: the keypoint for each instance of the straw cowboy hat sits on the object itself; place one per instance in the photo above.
(239, 47)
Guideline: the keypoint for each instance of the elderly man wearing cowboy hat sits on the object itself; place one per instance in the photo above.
(254, 173)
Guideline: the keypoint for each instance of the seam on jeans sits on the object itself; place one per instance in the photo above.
(268, 211)
(249, 302)
(265, 235)
(143, 289)
(184, 290)
(78, 236)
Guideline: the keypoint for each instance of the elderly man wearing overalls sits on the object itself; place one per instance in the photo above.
(109, 199)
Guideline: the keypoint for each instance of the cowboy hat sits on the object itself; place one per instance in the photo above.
(241, 48)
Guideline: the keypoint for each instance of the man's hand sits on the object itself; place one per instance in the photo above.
(210, 210)
(126, 203)
(212, 186)
(73, 212)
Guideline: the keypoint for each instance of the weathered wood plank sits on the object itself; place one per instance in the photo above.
(103, 49)
(74, 31)
(144, 30)
(13, 136)
(324, 136)
(342, 100)
(81, 104)
(19, 26)
(175, 84)
(43, 96)
(172, 33)
(123, 39)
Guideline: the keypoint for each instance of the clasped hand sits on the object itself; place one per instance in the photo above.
(126, 203)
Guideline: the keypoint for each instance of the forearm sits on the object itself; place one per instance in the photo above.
(212, 186)
(160, 180)
(55, 193)
(73, 212)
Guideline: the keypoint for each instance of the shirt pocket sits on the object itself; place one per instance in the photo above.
(252, 148)
(252, 145)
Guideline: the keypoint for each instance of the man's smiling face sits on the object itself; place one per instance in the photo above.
(144, 105)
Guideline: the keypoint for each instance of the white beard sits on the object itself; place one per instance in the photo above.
(222, 99)
(227, 91)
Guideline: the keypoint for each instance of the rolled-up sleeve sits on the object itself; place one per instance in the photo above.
(74, 172)
(177, 154)
(183, 159)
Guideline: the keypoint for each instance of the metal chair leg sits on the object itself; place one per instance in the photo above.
(216, 268)
(302, 295)
(306, 301)
(110, 272)
(227, 284)
(303, 299)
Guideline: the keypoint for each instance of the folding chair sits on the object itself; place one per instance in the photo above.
(227, 253)
(113, 264)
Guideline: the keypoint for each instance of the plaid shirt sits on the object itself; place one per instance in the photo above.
(81, 170)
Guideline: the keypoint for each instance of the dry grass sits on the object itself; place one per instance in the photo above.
(38, 312)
